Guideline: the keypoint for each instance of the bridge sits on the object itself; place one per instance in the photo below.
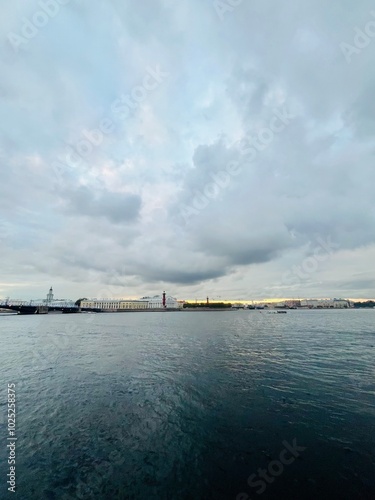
(25, 308)
(39, 306)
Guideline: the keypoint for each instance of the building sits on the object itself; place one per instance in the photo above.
(325, 304)
(113, 304)
(314, 303)
(156, 302)
(340, 303)
(50, 296)
(293, 303)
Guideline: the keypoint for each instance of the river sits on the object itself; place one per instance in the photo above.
(191, 405)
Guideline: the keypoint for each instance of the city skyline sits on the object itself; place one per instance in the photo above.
(51, 297)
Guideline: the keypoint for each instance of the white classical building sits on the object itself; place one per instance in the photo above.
(113, 304)
(156, 302)
(325, 303)
(340, 303)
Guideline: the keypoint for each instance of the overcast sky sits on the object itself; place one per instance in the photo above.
(205, 148)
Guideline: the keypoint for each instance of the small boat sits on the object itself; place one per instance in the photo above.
(281, 312)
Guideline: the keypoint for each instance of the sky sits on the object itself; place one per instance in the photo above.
(206, 148)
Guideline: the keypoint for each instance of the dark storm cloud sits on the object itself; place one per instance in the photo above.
(179, 276)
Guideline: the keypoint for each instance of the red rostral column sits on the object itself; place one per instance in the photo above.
(164, 300)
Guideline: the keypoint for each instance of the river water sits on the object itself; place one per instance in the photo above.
(191, 405)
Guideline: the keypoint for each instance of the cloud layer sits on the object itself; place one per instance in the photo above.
(161, 145)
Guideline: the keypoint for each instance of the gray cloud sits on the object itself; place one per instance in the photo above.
(116, 207)
(123, 204)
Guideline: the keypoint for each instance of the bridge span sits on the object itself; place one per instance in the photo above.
(39, 307)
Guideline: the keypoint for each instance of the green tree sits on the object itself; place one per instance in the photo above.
(78, 302)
